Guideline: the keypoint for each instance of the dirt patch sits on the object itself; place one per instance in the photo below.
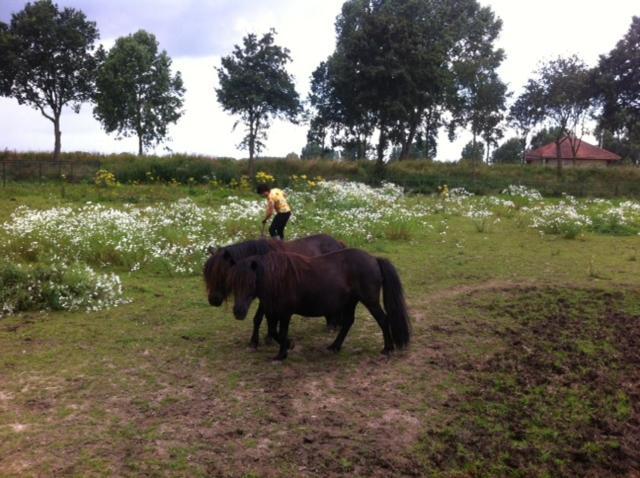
(561, 399)
(332, 424)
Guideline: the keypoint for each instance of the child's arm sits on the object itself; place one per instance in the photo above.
(269, 211)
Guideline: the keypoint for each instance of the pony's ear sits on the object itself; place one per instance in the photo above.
(211, 250)
(254, 265)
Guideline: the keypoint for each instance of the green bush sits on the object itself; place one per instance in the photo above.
(61, 287)
(416, 175)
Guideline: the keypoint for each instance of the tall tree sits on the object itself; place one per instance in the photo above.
(481, 100)
(525, 113)
(509, 152)
(483, 106)
(334, 101)
(136, 92)
(47, 60)
(254, 83)
(561, 94)
(618, 87)
(7, 61)
(392, 72)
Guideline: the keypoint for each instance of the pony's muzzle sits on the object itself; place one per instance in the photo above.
(215, 300)
(239, 312)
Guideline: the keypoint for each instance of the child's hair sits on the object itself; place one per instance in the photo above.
(262, 188)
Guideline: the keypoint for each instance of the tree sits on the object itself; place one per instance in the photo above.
(313, 150)
(7, 61)
(618, 89)
(544, 137)
(626, 148)
(483, 107)
(254, 84)
(481, 98)
(46, 60)
(393, 70)
(561, 95)
(136, 93)
(525, 114)
(337, 109)
(473, 152)
(509, 152)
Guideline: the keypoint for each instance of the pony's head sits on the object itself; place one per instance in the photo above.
(216, 272)
(243, 280)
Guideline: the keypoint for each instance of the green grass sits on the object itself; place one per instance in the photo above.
(166, 385)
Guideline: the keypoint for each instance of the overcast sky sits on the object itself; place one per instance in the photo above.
(197, 33)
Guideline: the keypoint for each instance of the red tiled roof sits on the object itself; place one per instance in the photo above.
(585, 151)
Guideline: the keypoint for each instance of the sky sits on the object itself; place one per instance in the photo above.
(198, 33)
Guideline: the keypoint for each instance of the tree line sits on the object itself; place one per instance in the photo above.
(49, 60)
(402, 71)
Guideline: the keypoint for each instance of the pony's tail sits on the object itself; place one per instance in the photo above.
(394, 304)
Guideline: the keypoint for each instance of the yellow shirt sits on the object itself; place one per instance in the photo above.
(277, 201)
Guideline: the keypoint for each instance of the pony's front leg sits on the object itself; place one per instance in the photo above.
(283, 338)
(272, 329)
(257, 320)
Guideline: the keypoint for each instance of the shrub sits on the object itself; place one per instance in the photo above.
(56, 287)
(104, 179)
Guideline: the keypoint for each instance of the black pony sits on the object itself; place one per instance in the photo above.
(330, 285)
(218, 265)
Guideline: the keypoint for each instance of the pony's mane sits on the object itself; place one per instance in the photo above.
(255, 247)
(208, 267)
(278, 272)
(216, 268)
(212, 267)
(283, 267)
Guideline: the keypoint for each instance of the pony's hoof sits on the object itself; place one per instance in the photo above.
(386, 351)
(279, 358)
(253, 344)
(333, 348)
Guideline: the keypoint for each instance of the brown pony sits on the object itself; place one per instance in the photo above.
(330, 285)
(218, 265)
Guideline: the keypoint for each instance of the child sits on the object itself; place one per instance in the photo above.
(276, 201)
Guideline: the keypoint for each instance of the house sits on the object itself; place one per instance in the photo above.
(587, 155)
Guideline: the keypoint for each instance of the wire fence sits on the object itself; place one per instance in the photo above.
(40, 170)
(417, 177)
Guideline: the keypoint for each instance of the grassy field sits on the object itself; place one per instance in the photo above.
(525, 359)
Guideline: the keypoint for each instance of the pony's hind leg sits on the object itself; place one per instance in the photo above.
(346, 320)
(378, 314)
